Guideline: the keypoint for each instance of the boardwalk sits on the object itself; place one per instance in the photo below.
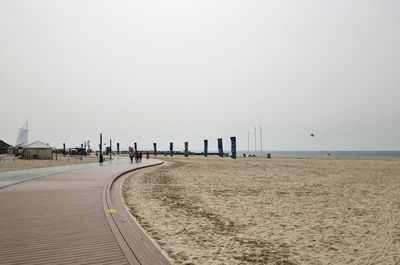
(12, 177)
(67, 218)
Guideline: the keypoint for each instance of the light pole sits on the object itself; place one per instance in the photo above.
(261, 141)
(248, 143)
(101, 149)
(110, 150)
(255, 140)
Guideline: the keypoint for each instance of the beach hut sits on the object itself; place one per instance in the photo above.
(37, 150)
(5, 148)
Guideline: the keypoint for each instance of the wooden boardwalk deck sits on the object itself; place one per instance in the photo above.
(66, 219)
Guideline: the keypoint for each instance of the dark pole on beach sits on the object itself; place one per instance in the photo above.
(171, 148)
(186, 149)
(220, 148)
(118, 148)
(110, 150)
(205, 148)
(233, 147)
(64, 151)
(101, 149)
(135, 145)
(155, 149)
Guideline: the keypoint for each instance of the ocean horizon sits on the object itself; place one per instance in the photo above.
(324, 153)
(307, 153)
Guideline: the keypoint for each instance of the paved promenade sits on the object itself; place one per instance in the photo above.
(15, 176)
(66, 218)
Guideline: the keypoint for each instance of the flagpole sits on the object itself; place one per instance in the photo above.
(255, 140)
(261, 149)
(248, 142)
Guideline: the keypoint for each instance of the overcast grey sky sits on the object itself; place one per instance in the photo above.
(161, 71)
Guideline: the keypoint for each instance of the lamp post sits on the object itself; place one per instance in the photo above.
(101, 159)
(110, 150)
(261, 147)
(255, 140)
(248, 143)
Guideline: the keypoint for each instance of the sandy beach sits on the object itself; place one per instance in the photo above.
(10, 162)
(271, 211)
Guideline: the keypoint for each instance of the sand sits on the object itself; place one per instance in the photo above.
(270, 211)
(10, 162)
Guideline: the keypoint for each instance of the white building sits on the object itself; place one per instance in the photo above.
(22, 138)
(37, 150)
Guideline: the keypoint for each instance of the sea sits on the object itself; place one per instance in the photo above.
(324, 153)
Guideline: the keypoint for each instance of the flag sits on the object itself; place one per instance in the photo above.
(186, 149)
(155, 148)
(233, 147)
(220, 148)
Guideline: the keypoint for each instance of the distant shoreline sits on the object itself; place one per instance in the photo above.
(327, 153)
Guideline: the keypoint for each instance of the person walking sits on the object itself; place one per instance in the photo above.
(136, 156)
(131, 154)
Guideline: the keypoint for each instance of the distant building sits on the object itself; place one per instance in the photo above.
(5, 148)
(22, 138)
(37, 150)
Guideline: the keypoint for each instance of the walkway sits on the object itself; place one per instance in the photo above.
(15, 176)
(66, 219)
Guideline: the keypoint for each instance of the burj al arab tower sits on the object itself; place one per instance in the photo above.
(22, 138)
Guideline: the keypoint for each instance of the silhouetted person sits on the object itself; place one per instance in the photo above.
(131, 156)
(136, 156)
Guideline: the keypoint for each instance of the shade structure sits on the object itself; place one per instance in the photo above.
(37, 150)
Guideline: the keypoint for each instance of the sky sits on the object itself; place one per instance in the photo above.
(181, 70)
